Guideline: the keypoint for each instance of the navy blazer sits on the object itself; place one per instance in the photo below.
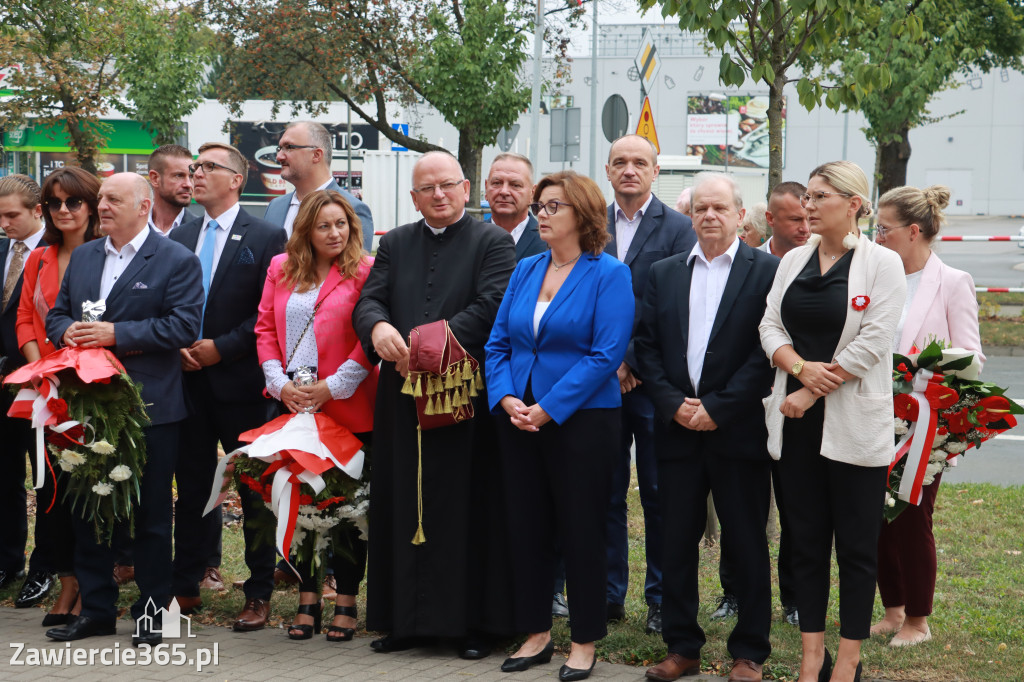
(571, 363)
(662, 232)
(736, 374)
(229, 318)
(530, 243)
(9, 347)
(277, 211)
(155, 307)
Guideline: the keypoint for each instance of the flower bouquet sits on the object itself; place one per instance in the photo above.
(309, 471)
(941, 410)
(90, 414)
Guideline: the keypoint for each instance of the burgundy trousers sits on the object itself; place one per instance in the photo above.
(906, 557)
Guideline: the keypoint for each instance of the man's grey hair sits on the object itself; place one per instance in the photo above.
(318, 136)
(705, 177)
(512, 156)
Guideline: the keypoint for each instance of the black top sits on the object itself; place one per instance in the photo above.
(814, 310)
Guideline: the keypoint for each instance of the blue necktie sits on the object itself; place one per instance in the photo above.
(206, 261)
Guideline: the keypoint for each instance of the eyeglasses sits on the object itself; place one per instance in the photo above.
(818, 197)
(445, 187)
(293, 147)
(551, 207)
(882, 230)
(72, 203)
(208, 167)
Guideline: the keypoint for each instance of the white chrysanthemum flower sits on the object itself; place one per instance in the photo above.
(120, 473)
(103, 489)
(938, 455)
(322, 542)
(850, 241)
(956, 447)
(298, 537)
(69, 459)
(890, 501)
(102, 447)
(940, 438)
(900, 426)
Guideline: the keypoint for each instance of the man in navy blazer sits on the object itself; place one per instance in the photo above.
(304, 153)
(644, 231)
(223, 380)
(703, 367)
(508, 190)
(154, 298)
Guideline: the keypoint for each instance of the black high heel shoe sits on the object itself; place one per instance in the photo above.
(856, 675)
(306, 631)
(517, 665)
(346, 633)
(567, 674)
(826, 668)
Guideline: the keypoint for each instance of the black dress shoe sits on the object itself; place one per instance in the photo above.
(518, 665)
(474, 648)
(567, 674)
(35, 588)
(616, 612)
(83, 627)
(653, 619)
(559, 609)
(389, 643)
(7, 577)
(727, 607)
(144, 635)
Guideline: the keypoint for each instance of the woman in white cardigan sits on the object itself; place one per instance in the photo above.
(828, 330)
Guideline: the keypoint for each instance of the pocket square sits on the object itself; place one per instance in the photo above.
(245, 257)
(139, 285)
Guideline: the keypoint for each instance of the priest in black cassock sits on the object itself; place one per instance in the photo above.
(452, 267)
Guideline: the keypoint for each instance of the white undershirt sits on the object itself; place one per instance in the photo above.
(706, 289)
(517, 233)
(913, 282)
(538, 313)
(625, 228)
(116, 262)
(293, 208)
(225, 221)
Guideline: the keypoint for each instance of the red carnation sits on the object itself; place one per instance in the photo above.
(908, 377)
(58, 406)
(902, 367)
(860, 302)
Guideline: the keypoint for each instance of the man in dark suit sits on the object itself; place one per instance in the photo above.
(20, 215)
(508, 192)
(644, 231)
(304, 152)
(223, 380)
(703, 367)
(154, 298)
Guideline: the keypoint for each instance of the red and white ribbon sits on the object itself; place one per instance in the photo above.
(916, 444)
(32, 403)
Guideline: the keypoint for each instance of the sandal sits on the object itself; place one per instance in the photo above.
(346, 633)
(315, 610)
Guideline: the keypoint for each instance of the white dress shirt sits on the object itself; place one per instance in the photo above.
(30, 242)
(706, 289)
(174, 224)
(116, 262)
(517, 233)
(293, 208)
(625, 228)
(225, 221)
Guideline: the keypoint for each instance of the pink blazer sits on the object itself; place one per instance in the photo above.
(336, 340)
(946, 307)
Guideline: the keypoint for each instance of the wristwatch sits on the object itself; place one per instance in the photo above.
(797, 366)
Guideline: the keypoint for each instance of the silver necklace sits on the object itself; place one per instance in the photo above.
(559, 267)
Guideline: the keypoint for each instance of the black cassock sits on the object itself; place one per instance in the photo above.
(456, 582)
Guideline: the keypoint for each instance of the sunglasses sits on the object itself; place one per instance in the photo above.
(72, 203)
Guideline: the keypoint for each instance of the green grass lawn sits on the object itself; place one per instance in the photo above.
(978, 624)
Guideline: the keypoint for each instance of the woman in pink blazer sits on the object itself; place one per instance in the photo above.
(941, 305)
(305, 320)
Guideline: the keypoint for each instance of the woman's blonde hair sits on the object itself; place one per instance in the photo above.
(920, 206)
(300, 267)
(848, 178)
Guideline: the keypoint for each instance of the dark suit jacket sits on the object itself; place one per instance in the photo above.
(277, 210)
(662, 232)
(155, 307)
(736, 374)
(530, 243)
(233, 303)
(9, 317)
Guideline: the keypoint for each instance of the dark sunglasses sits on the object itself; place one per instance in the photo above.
(73, 204)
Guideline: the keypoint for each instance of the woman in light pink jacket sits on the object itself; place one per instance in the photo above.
(941, 305)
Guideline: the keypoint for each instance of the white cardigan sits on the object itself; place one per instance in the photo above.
(859, 414)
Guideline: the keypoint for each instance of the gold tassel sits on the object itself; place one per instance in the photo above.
(428, 409)
(472, 389)
(447, 403)
(467, 371)
(460, 397)
(417, 391)
(407, 386)
(438, 384)
(479, 381)
(449, 381)
(419, 538)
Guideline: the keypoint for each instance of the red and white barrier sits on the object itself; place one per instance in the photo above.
(982, 238)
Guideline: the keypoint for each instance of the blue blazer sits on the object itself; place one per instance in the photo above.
(582, 338)
(277, 211)
(155, 307)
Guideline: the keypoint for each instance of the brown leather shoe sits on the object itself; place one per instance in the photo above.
(745, 670)
(189, 605)
(330, 587)
(673, 667)
(284, 578)
(123, 574)
(212, 580)
(253, 616)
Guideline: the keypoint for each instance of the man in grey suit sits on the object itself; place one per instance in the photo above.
(304, 152)
(508, 191)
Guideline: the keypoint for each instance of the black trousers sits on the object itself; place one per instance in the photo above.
(196, 537)
(825, 499)
(741, 493)
(15, 440)
(557, 488)
(55, 539)
(94, 562)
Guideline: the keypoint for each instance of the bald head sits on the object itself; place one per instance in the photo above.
(124, 203)
(439, 189)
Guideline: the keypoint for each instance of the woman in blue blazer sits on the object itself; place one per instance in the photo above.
(560, 335)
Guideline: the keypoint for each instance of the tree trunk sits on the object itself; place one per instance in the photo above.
(471, 158)
(775, 106)
(894, 158)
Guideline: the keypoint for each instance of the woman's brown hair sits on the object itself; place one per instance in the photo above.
(586, 199)
(300, 267)
(76, 183)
